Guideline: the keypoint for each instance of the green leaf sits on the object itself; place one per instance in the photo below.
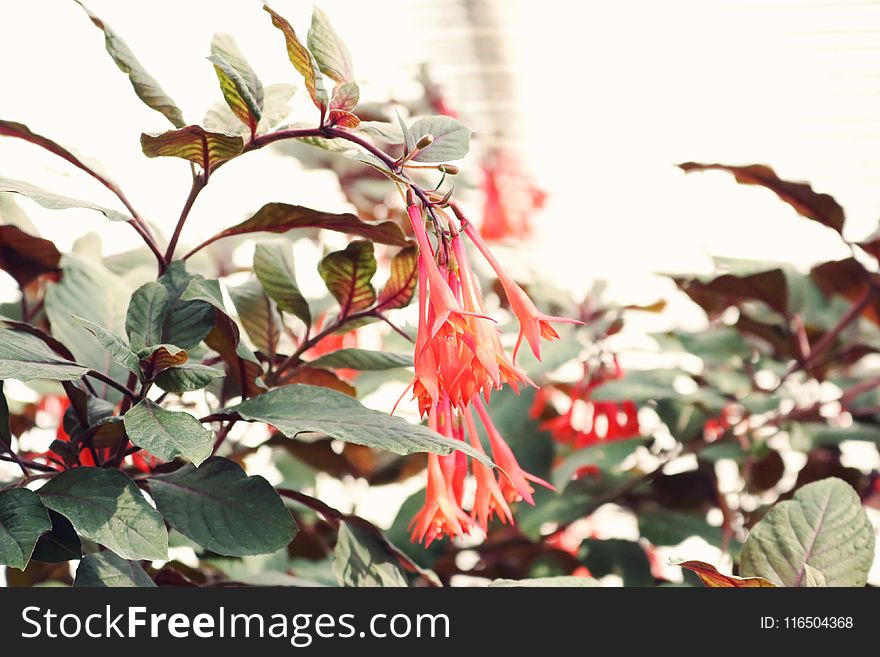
(547, 582)
(236, 93)
(282, 217)
(105, 506)
(244, 368)
(348, 273)
(52, 201)
(145, 86)
(106, 569)
(115, 346)
(219, 507)
(360, 560)
(258, 315)
(193, 143)
(387, 132)
(328, 49)
(167, 434)
(241, 87)
(158, 314)
(297, 409)
(812, 205)
(25, 357)
(302, 60)
(402, 281)
(409, 139)
(606, 456)
(91, 292)
(25, 257)
(23, 518)
(276, 108)
(824, 527)
(58, 544)
(345, 98)
(363, 359)
(451, 139)
(187, 378)
(273, 265)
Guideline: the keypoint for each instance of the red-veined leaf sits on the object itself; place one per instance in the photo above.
(193, 143)
(302, 60)
(714, 580)
(282, 217)
(345, 96)
(329, 51)
(347, 274)
(342, 119)
(402, 280)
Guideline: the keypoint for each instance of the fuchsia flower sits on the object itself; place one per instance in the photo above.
(459, 360)
(533, 324)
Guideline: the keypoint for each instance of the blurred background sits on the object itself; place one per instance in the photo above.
(597, 100)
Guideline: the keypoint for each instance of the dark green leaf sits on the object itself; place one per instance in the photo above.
(106, 569)
(105, 506)
(60, 543)
(26, 357)
(167, 434)
(298, 409)
(273, 265)
(669, 527)
(23, 519)
(363, 359)
(115, 346)
(219, 507)
(187, 378)
(158, 315)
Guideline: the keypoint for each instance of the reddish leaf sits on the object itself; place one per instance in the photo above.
(21, 131)
(718, 294)
(401, 285)
(713, 579)
(342, 119)
(348, 273)
(282, 217)
(345, 97)
(193, 143)
(162, 358)
(812, 205)
(849, 279)
(315, 376)
(302, 60)
(25, 257)
(244, 375)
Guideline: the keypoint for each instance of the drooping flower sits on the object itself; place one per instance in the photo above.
(533, 324)
(510, 197)
(459, 361)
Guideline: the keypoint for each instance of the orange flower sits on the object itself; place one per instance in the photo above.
(514, 481)
(489, 498)
(533, 324)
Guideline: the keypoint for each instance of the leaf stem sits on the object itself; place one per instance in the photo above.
(113, 384)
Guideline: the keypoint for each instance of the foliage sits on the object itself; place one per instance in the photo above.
(159, 392)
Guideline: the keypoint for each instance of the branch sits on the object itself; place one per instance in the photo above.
(198, 185)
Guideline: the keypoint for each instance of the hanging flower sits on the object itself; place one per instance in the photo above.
(459, 361)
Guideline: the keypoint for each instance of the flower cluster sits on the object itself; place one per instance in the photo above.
(459, 361)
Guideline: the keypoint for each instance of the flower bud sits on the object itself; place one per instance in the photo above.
(424, 142)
